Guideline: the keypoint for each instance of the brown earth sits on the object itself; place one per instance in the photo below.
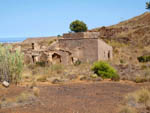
(129, 38)
(134, 31)
(103, 97)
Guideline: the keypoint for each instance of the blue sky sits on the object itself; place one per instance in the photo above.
(32, 18)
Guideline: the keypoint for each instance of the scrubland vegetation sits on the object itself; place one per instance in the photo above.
(137, 101)
(11, 64)
(104, 70)
(130, 42)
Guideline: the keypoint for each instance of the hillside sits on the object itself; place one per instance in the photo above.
(129, 39)
(135, 31)
(39, 39)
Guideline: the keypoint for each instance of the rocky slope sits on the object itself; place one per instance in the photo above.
(135, 31)
(130, 39)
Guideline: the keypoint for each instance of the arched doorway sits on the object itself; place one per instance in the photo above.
(56, 58)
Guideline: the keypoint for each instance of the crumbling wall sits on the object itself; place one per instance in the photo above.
(82, 35)
(35, 46)
(85, 50)
(85, 46)
(104, 51)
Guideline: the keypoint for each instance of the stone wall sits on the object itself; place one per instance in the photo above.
(104, 51)
(85, 50)
(82, 35)
(85, 46)
(38, 39)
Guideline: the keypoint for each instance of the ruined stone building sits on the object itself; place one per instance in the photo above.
(84, 47)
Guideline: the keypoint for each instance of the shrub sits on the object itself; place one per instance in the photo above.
(148, 5)
(140, 97)
(58, 35)
(25, 96)
(78, 26)
(104, 70)
(42, 64)
(58, 68)
(115, 78)
(94, 76)
(139, 79)
(144, 58)
(122, 61)
(11, 64)
(42, 78)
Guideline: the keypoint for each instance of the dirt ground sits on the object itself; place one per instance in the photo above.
(98, 97)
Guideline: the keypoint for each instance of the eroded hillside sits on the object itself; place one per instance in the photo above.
(129, 39)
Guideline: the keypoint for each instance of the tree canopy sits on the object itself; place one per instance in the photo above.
(78, 26)
(148, 5)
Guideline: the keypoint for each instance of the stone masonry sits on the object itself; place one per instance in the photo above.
(84, 47)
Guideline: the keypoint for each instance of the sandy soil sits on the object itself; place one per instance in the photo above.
(97, 97)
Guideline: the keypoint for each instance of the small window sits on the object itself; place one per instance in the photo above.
(108, 54)
(33, 59)
(32, 45)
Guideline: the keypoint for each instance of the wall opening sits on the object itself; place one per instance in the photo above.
(56, 58)
(32, 45)
(108, 54)
(72, 60)
(33, 59)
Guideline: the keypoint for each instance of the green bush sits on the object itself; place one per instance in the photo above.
(78, 26)
(11, 64)
(148, 5)
(144, 59)
(122, 61)
(41, 64)
(104, 70)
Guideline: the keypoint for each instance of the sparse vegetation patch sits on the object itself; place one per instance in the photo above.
(137, 100)
(144, 59)
(104, 70)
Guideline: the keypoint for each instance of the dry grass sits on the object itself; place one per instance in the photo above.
(33, 84)
(116, 44)
(128, 109)
(137, 100)
(36, 91)
(41, 78)
(23, 97)
(14, 101)
(140, 79)
(34, 73)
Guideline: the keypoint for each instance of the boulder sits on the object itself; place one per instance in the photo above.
(5, 84)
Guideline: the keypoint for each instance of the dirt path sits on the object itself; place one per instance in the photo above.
(78, 98)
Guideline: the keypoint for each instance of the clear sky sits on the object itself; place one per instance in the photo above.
(31, 18)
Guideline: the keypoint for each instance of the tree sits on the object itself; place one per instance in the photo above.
(148, 5)
(78, 26)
